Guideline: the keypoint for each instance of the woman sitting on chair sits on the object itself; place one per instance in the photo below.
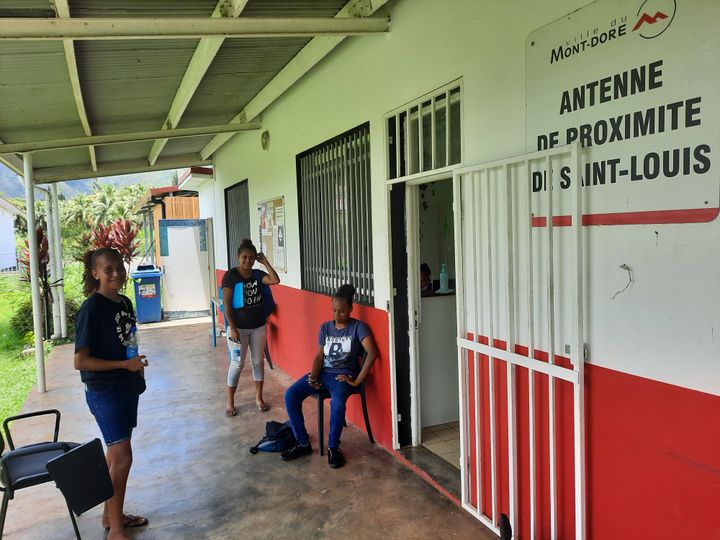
(336, 369)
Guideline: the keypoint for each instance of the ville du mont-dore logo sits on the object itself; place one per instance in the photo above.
(652, 19)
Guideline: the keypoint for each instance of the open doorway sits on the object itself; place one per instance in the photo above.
(425, 328)
(430, 231)
(436, 360)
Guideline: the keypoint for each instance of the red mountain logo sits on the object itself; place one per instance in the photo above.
(649, 20)
(651, 26)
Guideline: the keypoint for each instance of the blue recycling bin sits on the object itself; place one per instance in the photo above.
(147, 293)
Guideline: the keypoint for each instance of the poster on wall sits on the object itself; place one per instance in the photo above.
(272, 231)
(635, 83)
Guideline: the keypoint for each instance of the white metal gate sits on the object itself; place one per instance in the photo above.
(519, 265)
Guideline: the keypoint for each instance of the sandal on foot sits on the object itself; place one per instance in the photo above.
(130, 521)
(264, 407)
(231, 412)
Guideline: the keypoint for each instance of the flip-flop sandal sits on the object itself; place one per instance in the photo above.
(265, 407)
(231, 412)
(130, 521)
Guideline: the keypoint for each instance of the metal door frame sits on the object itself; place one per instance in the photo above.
(477, 179)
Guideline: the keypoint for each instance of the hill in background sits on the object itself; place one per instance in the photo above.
(12, 186)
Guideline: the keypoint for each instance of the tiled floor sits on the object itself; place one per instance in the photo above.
(443, 440)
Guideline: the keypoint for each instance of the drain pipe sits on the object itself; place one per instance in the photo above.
(59, 265)
(34, 270)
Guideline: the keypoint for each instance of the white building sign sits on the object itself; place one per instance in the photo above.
(636, 83)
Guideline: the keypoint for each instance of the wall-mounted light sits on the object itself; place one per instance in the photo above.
(265, 140)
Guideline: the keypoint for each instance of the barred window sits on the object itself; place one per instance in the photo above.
(334, 209)
(425, 134)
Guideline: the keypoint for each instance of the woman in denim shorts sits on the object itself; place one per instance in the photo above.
(113, 383)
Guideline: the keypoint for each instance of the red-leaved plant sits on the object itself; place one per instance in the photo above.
(120, 235)
(43, 259)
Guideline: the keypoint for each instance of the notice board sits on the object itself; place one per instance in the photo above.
(272, 231)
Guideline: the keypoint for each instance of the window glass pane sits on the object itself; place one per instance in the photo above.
(427, 136)
(455, 127)
(440, 160)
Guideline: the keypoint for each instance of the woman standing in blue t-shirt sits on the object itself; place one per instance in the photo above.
(112, 382)
(335, 367)
(245, 314)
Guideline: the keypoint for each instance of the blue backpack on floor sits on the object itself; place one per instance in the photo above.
(278, 437)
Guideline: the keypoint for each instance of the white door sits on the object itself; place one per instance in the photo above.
(520, 281)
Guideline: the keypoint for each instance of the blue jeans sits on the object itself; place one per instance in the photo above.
(296, 394)
(115, 412)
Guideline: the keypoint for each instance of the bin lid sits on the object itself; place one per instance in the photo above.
(146, 270)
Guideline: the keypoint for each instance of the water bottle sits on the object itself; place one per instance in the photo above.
(235, 353)
(444, 282)
(131, 348)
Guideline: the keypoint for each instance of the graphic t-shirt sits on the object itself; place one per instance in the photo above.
(103, 326)
(247, 300)
(342, 346)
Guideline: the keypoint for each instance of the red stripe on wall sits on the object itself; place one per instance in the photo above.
(653, 449)
(292, 338)
(654, 217)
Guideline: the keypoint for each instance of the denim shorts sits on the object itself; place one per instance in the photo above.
(115, 412)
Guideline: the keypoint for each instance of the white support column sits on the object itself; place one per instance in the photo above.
(34, 271)
(60, 266)
(52, 267)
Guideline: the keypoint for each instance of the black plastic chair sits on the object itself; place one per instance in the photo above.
(26, 466)
(82, 476)
(323, 394)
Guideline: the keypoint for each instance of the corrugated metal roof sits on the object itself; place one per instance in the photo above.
(58, 158)
(36, 99)
(121, 152)
(293, 8)
(240, 70)
(26, 8)
(187, 145)
(142, 8)
(129, 85)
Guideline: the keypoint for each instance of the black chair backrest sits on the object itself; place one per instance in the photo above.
(82, 476)
(10, 419)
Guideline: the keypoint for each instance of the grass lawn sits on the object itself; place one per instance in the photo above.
(17, 371)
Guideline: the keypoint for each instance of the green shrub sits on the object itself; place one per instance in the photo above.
(22, 320)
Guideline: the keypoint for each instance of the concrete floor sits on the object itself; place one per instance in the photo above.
(193, 476)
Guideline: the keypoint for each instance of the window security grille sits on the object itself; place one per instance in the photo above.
(335, 226)
(432, 137)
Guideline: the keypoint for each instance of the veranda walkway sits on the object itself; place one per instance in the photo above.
(194, 478)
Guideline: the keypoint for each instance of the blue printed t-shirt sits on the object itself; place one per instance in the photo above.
(103, 326)
(247, 300)
(342, 346)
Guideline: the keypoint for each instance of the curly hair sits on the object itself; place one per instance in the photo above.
(345, 292)
(90, 284)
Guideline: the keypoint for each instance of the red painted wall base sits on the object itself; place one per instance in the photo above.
(653, 449)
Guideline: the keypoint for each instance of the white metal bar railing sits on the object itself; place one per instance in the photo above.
(503, 243)
(531, 349)
(551, 345)
(475, 198)
(491, 341)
